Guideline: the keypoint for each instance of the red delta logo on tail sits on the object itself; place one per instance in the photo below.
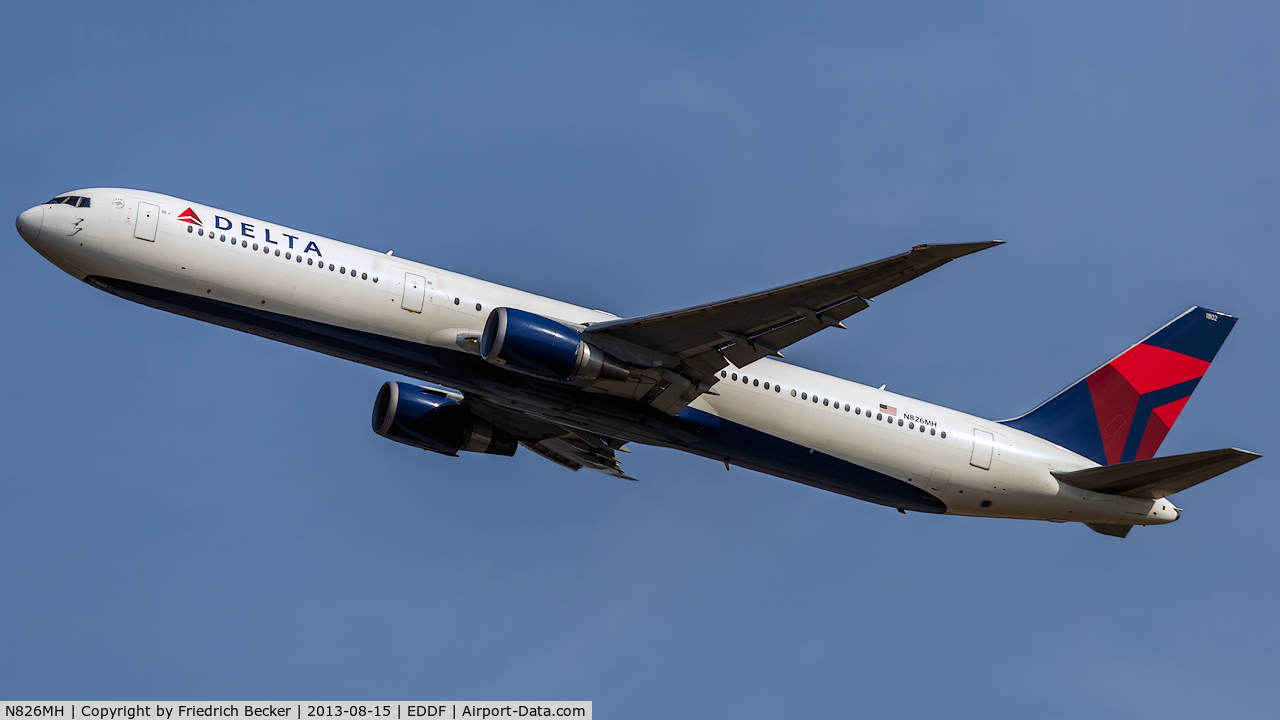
(190, 216)
(1146, 386)
(1123, 410)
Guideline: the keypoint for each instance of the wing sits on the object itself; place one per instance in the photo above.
(686, 348)
(576, 450)
(570, 447)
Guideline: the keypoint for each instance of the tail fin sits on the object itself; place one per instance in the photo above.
(1122, 411)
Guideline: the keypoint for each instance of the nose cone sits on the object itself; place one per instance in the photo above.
(29, 224)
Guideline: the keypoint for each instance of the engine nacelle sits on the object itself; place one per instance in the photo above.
(423, 419)
(539, 346)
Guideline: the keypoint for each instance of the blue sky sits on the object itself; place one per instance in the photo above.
(194, 513)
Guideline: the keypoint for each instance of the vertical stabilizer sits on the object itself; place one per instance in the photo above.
(1122, 411)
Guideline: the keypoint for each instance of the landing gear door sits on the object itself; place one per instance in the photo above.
(145, 226)
(982, 442)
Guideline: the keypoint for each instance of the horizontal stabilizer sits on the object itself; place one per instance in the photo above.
(1157, 477)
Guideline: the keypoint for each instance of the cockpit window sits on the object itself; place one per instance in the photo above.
(72, 200)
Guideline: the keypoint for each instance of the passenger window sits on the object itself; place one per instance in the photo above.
(375, 278)
(777, 388)
(343, 270)
(825, 402)
(245, 243)
(766, 386)
(793, 393)
(944, 434)
(222, 238)
(255, 246)
(857, 411)
(921, 428)
(200, 232)
(330, 267)
(744, 379)
(804, 396)
(364, 276)
(288, 256)
(911, 426)
(724, 374)
(735, 377)
(899, 422)
(277, 253)
(308, 259)
(878, 416)
(846, 407)
(457, 300)
(477, 307)
(756, 382)
(190, 229)
(933, 431)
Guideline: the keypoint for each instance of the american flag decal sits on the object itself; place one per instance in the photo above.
(888, 409)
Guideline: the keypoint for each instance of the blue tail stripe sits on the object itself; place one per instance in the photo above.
(1077, 430)
(1194, 334)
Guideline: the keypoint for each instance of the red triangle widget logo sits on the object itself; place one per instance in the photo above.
(190, 216)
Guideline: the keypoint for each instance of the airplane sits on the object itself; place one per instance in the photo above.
(501, 368)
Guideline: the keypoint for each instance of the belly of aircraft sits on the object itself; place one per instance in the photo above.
(694, 431)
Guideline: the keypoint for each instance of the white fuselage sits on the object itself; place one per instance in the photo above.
(975, 466)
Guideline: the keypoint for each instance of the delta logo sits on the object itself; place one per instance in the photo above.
(190, 216)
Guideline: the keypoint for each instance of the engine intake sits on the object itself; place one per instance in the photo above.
(540, 346)
(424, 419)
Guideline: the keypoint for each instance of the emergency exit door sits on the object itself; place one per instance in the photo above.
(982, 445)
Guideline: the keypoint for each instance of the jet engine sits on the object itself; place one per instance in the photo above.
(432, 421)
(536, 345)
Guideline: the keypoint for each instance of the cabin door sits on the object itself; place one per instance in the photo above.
(148, 218)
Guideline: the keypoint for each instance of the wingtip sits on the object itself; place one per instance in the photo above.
(959, 249)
